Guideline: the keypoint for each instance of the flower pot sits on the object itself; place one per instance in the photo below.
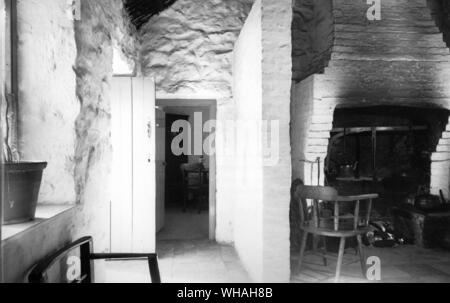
(21, 190)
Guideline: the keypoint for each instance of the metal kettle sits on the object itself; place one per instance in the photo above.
(349, 170)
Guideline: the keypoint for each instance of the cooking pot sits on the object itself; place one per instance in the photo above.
(427, 202)
(348, 171)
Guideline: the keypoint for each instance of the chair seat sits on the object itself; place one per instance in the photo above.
(335, 234)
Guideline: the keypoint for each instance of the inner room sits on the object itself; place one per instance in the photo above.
(184, 170)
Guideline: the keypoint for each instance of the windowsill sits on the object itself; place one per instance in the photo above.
(44, 212)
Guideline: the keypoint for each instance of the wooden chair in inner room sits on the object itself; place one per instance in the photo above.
(327, 219)
(195, 182)
(75, 264)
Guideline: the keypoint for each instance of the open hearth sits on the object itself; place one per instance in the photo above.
(387, 149)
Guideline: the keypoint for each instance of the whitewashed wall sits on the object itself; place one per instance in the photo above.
(2, 63)
(248, 209)
(47, 94)
(276, 86)
(2, 77)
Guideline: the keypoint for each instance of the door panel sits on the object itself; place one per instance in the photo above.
(144, 159)
(160, 168)
(122, 188)
(133, 139)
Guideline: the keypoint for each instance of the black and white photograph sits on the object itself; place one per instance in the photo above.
(224, 147)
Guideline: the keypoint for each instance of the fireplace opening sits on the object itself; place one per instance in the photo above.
(388, 150)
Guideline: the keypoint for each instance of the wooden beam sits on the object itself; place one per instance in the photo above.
(356, 130)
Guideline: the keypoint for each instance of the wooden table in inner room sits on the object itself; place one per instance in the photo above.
(195, 181)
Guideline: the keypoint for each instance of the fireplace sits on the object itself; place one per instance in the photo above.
(384, 149)
(370, 101)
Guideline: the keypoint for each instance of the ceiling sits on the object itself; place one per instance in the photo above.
(141, 11)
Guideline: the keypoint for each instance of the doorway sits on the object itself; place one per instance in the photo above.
(184, 213)
(173, 178)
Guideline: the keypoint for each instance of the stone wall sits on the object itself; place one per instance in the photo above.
(84, 153)
(188, 50)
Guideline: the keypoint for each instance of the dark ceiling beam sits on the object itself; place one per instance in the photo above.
(140, 11)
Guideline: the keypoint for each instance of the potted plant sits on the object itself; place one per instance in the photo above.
(21, 180)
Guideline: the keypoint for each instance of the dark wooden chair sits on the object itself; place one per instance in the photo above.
(337, 224)
(195, 182)
(75, 264)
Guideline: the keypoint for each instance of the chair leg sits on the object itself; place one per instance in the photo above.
(184, 203)
(340, 259)
(200, 202)
(185, 198)
(302, 250)
(316, 243)
(361, 255)
(325, 252)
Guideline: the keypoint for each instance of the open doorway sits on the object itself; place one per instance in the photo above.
(185, 173)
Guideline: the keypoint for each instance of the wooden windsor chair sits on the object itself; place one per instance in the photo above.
(336, 224)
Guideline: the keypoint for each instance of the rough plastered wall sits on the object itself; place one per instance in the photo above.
(2, 79)
(101, 22)
(2, 66)
(276, 90)
(247, 89)
(48, 105)
(188, 50)
(91, 59)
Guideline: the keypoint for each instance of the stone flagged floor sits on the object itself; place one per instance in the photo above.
(203, 261)
(189, 225)
(200, 261)
(184, 261)
(402, 264)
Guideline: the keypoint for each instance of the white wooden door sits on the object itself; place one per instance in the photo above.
(133, 138)
(160, 168)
